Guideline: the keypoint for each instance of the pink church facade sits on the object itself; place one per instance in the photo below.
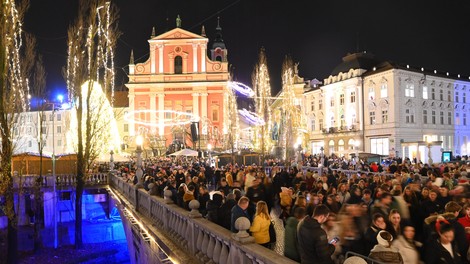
(177, 82)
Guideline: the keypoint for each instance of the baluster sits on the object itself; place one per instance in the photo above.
(217, 248)
(205, 244)
(223, 258)
(210, 249)
(200, 239)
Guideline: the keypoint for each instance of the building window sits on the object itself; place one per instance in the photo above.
(383, 90)
(331, 146)
(59, 142)
(126, 127)
(433, 94)
(332, 122)
(353, 119)
(59, 117)
(312, 104)
(409, 90)
(353, 97)
(409, 116)
(449, 118)
(433, 117)
(168, 114)
(371, 93)
(320, 104)
(30, 144)
(178, 65)
(372, 117)
(379, 146)
(59, 129)
(449, 96)
(425, 92)
(464, 98)
(342, 121)
(464, 119)
(441, 95)
(215, 115)
(341, 99)
(43, 129)
(456, 97)
(51, 117)
(425, 116)
(441, 117)
(320, 124)
(332, 102)
(457, 119)
(341, 145)
(30, 130)
(384, 116)
(312, 124)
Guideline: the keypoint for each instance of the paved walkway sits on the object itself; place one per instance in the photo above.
(279, 227)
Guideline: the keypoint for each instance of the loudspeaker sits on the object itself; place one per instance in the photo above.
(194, 131)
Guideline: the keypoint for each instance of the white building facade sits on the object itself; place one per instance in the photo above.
(383, 108)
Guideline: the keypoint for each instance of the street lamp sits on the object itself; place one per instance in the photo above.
(139, 141)
(321, 160)
(356, 148)
(429, 143)
(111, 159)
(209, 148)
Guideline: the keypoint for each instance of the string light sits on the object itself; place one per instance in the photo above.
(182, 118)
(241, 88)
(251, 117)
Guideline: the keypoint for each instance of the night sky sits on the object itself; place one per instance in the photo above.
(317, 34)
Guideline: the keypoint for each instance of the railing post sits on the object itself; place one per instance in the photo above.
(242, 224)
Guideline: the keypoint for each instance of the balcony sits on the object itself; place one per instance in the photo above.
(340, 129)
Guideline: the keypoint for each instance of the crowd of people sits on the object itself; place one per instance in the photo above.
(398, 211)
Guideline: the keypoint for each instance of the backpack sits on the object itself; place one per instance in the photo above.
(272, 233)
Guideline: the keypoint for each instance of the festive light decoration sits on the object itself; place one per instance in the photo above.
(241, 88)
(262, 89)
(251, 117)
(101, 115)
(181, 118)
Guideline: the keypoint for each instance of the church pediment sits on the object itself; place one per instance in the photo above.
(178, 33)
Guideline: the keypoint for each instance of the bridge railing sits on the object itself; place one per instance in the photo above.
(62, 180)
(209, 242)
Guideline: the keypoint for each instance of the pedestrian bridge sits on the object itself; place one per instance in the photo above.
(159, 231)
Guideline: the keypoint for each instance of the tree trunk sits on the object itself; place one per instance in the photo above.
(12, 237)
(38, 204)
(78, 202)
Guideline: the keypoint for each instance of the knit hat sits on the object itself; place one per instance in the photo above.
(384, 238)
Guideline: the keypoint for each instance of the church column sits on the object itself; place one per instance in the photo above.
(195, 57)
(161, 114)
(131, 115)
(203, 57)
(152, 58)
(160, 58)
(204, 110)
(153, 107)
(196, 105)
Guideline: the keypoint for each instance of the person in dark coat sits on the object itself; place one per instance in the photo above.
(370, 237)
(313, 243)
(443, 250)
(240, 210)
(213, 207)
(291, 243)
(225, 210)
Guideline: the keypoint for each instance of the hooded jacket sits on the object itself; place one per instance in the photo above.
(313, 243)
(386, 254)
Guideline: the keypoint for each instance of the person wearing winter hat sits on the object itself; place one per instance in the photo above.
(384, 251)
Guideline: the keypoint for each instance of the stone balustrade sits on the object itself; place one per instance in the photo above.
(208, 242)
(62, 180)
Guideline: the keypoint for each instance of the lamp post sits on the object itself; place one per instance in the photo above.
(356, 148)
(429, 144)
(111, 160)
(321, 160)
(138, 141)
(209, 148)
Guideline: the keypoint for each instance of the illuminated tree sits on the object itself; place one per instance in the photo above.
(232, 132)
(262, 88)
(291, 121)
(91, 42)
(17, 59)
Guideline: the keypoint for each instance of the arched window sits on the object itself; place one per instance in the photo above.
(351, 144)
(331, 146)
(341, 145)
(178, 65)
(218, 58)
